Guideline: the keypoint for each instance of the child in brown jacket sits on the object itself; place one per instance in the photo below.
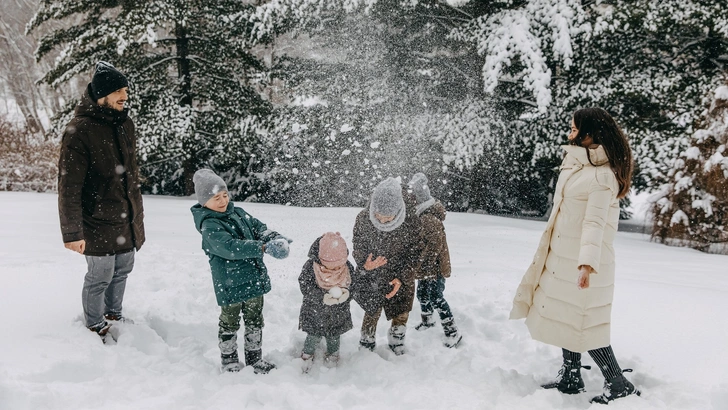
(435, 262)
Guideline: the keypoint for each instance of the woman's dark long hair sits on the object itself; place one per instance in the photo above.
(598, 124)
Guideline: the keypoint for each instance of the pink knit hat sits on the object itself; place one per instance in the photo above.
(332, 250)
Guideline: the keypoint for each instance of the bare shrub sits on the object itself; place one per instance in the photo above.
(27, 162)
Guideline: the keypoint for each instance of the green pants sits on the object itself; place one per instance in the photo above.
(332, 344)
(252, 312)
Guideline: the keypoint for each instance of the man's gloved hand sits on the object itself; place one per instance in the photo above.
(277, 248)
(336, 295)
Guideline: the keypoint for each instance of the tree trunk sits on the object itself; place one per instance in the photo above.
(189, 164)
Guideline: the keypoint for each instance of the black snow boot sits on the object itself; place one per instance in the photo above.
(428, 321)
(368, 343)
(395, 337)
(228, 343)
(452, 336)
(255, 358)
(615, 384)
(569, 380)
(117, 317)
(230, 362)
(106, 332)
(616, 388)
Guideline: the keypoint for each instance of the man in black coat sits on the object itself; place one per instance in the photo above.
(99, 200)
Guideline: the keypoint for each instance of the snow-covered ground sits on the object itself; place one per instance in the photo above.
(668, 324)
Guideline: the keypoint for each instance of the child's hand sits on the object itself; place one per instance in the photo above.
(277, 248)
(397, 284)
(279, 236)
(376, 263)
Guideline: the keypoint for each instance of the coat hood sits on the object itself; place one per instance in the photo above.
(314, 250)
(437, 210)
(87, 107)
(200, 213)
(576, 154)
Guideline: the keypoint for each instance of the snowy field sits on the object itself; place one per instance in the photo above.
(669, 324)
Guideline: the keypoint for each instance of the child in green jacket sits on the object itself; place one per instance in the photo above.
(235, 242)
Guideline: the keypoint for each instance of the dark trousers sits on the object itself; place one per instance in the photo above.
(430, 296)
(252, 312)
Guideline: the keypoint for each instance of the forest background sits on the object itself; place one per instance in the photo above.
(313, 102)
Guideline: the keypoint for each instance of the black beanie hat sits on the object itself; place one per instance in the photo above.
(106, 80)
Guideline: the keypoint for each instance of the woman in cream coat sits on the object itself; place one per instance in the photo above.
(566, 294)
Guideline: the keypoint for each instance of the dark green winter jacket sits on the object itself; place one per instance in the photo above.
(233, 241)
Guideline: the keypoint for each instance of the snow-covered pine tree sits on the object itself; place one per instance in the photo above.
(194, 81)
(650, 64)
(692, 208)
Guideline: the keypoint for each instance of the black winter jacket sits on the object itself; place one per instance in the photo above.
(99, 199)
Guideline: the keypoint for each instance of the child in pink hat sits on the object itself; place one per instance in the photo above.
(325, 281)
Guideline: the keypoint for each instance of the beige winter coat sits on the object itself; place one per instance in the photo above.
(580, 231)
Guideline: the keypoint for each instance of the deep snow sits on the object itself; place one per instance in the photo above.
(668, 324)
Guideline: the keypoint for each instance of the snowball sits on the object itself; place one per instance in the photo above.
(335, 292)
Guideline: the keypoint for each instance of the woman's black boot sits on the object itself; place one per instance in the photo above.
(615, 384)
(569, 380)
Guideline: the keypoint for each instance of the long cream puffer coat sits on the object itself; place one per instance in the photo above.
(580, 231)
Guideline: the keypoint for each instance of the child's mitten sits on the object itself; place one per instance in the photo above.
(269, 235)
(336, 295)
(277, 248)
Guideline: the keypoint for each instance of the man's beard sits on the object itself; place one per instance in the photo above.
(105, 103)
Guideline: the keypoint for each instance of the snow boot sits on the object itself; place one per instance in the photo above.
(396, 339)
(230, 362)
(106, 332)
(255, 358)
(367, 342)
(331, 360)
(569, 379)
(428, 321)
(117, 317)
(307, 362)
(228, 344)
(616, 388)
(452, 336)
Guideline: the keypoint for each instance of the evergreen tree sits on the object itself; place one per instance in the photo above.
(692, 208)
(194, 81)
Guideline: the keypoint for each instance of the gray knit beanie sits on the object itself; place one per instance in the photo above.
(387, 200)
(420, 188)
(207, 185)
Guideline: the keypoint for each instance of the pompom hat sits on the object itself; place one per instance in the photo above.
(332, 250)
